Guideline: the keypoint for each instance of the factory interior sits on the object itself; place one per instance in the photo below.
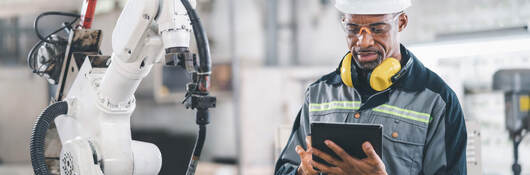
(264, 54)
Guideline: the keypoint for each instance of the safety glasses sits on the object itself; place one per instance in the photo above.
(374, 29)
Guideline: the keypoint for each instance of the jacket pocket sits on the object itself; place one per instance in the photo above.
(403, 143)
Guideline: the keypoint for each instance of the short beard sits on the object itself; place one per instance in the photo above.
(368, 66)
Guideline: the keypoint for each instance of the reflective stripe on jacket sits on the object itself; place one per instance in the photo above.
(424, 130)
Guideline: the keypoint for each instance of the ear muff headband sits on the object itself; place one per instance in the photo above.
(381, 76)
(345, 71)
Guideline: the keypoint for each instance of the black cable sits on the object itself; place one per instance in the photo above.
(200, 140)
(203, 73)
(36, 23)
(32, 62)
(38, 136)
(205, 63)
(199, 143)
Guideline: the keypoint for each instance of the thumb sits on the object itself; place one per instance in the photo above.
(308, 141)
(299, 149)
(370, 152)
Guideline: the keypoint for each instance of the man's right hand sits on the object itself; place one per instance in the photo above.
(306, 157)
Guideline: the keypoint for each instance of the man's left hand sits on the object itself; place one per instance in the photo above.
(350, 165)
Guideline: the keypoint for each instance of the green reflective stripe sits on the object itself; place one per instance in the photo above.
(406, 110)
(388, 109)
(403, 113)
(335, 102)
(352, 105)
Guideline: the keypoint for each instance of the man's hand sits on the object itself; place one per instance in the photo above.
(306, 157)
(350, 165)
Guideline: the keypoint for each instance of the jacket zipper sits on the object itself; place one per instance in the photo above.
(367, 100)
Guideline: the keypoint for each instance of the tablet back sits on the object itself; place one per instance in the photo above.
(348, 136)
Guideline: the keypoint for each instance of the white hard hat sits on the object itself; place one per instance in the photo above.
(370, 7)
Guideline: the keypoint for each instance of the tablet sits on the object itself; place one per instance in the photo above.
(348, 136)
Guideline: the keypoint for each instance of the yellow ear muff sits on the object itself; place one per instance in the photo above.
(382, 74)
(345, 71)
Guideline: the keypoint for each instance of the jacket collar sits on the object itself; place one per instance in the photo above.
(413, 75)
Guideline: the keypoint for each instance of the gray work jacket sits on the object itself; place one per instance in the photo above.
(424, 130)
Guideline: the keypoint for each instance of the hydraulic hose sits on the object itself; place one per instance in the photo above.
(203, 81)
(205, 63)
(199, 143)
(39, 134)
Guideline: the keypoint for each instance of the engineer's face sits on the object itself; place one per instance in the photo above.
(373, 38)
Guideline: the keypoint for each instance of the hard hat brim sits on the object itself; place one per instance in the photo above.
(372, 8)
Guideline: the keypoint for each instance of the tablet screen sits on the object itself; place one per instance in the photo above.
(348, 136)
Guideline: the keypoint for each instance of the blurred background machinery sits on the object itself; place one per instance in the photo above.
(267, 52)
(515, 83)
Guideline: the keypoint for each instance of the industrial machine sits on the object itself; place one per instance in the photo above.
(95, 93)
(515, 83)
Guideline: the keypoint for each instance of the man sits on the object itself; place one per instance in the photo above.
(424, 130)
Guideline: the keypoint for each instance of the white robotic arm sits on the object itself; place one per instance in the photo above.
(136, 46)
(95, 132)
(174, 24)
